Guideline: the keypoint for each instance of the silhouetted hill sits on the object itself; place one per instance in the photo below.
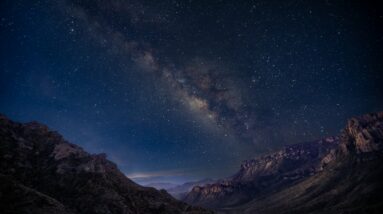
(40, 172)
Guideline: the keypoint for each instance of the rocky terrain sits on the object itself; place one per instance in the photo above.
(335, 175)
(180, 191)
(40, 172)
(268, 172)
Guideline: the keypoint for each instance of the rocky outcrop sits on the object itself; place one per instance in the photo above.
(363, 135)
(294, 161)
(180, 191)
(351, 183)
(343, 178)
(41, 172)
(267, 173)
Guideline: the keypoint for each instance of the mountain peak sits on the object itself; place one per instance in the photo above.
(363, 134)
(295, 171)
(37, 164)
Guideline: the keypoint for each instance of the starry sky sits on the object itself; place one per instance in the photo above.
(174, 91)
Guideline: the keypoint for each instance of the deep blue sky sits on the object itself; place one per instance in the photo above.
(183, 90)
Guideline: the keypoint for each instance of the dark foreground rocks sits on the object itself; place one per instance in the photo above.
(40, 172)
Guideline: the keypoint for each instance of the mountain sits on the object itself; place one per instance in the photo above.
(40, 172)
(180, 191)
(161, 185)
(334, 175)
(268, 172)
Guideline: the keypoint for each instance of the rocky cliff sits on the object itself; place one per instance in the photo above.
(334, 175)
(40, 172)
(363, 135)
(267, 173)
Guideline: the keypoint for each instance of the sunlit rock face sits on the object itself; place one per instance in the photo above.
(40, 172)
(327, 176)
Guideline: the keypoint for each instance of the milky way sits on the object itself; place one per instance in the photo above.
(175, 90)
(200, 85)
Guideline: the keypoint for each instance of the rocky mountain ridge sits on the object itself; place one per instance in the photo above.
(334, 174)
(281, 168)
(41, 172)
(180, 191)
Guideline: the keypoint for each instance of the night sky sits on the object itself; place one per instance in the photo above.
(183, 90)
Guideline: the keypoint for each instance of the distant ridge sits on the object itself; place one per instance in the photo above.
(333, 175)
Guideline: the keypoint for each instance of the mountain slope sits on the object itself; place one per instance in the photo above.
(266, 173)
(180, 191)
(348, 179)
(345, 188)
(352, 183)
(17, 198)
(38, 166)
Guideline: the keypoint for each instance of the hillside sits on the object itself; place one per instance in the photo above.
(41, 172)
(308, 178)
